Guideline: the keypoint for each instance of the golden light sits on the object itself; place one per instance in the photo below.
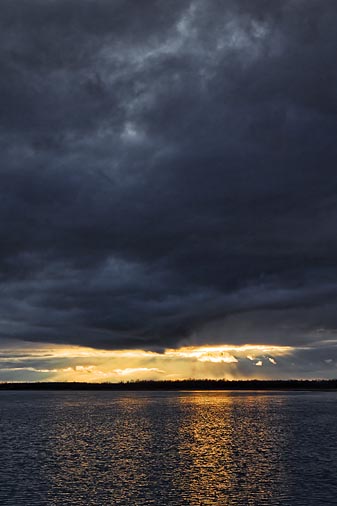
(76, 363)
(226, 353)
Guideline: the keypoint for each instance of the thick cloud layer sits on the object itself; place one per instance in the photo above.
(168, 172)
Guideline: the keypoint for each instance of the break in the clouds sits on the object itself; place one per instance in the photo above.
(168, 172)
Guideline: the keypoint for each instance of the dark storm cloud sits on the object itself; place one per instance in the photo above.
(168, 172)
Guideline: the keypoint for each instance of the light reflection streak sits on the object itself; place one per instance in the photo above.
(221, 457)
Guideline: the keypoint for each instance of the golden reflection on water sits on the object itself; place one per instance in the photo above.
(159, 448)
(230, 452)
(196, 448)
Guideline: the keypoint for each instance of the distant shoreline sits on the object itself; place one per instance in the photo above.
(252, 385)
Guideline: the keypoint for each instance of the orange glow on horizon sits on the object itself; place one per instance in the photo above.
(77, 363)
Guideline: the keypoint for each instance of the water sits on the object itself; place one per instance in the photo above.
(168, 448)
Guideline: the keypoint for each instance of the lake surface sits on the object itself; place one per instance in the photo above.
(168, 448)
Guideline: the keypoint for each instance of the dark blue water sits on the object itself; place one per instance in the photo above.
(177, 448)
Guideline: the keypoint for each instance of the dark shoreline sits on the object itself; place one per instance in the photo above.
(179, 385)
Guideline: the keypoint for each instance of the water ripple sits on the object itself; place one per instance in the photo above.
(168, 448)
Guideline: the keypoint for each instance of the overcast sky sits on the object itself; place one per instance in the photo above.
(169, 175)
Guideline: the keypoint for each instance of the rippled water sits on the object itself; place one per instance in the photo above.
(168, 448)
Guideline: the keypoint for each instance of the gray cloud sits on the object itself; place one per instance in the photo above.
(168, 172)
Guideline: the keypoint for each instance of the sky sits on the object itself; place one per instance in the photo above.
(168, 189)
